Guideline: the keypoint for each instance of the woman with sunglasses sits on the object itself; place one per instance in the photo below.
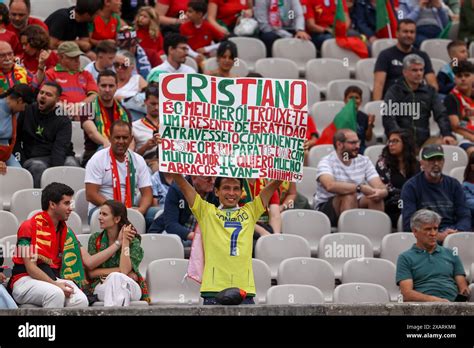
(396, 165)
(129, 84)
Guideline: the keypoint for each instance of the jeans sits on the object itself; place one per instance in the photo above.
(37, 165)
(150, 215)
(319, 38)
(6, 301)
(426, 32)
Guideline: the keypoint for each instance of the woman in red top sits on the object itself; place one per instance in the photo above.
(223, 14)
(171, 12)
(147, 25)
(107, 22)
(8, 35)
(35, 40)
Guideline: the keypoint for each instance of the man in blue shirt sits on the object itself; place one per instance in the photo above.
(429, 272)
(430, 189)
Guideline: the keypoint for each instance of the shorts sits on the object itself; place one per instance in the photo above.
(328, 209)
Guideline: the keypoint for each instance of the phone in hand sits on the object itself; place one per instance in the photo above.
(461, 298)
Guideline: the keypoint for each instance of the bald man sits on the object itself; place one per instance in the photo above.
(11, 73)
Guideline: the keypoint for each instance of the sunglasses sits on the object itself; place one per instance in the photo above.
(121, 66)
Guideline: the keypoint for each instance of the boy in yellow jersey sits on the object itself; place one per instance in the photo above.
(227, 235)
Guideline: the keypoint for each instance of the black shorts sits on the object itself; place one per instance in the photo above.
(328, 209)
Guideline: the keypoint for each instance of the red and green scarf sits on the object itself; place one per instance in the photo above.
(463, 104)
(130, 179)
(101, 118)
(18, 75)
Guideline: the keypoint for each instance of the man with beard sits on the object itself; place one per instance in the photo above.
(11, 73)
(347, 180)
(105, 110)
(388, 67)
(45, 138)
(431, 189)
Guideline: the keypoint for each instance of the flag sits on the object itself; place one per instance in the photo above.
(386, 22)
(346, 118)
(354, 44)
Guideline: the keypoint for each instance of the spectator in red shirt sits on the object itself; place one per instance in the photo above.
(147, 25)
(199, 32)
(11, 73)
(36, 54)
(8, 35)
(171, 12)
(224, 14)
(78, 86)
(107, 22)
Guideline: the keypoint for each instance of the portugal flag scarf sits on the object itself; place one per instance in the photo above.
(101, 115)
(386, 22)
(129, 180)
(346, 118)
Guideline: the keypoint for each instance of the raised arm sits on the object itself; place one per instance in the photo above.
(186, 188)
(267, 192)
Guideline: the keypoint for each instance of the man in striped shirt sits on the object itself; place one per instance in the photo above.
(347, 180)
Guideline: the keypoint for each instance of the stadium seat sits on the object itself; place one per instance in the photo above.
(84, 239)
(81, 208)
(454, 157)
(437, 64)
(317, 153)
(192, 63)
(14, 180)
(359, 293)
(323, 113)
(471, 50)
(453, 31)
(132, 304)
(373, 224)
(42, 9)
(365, 71)
(374, 271)
(299, 51)
(330, 49)
(309, 224)
(263, 280)
(381, 44)
(134, 216)
(462, 244)
(375, 108)
(339, 247)
(436, 48)
(25, 201)
(471, 288)
(336, 90)
(277, 68)
(294, 294)
(400, 224)
(250, 49)
(307, 186)
(167, 283)
(84, 61)
(314, 94)
(273, 249)
(77, 139)
(458, 174)
(374, 152)
(323, 70)
(158, 246)
(308, 271)
(239, 69)
(73, 222)
(9, 224)
(396, 243)
(471, 60)
(71, 176)
(8, 244)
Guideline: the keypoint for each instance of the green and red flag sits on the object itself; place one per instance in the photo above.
(346, 118)
(354, 44)
(385, 20)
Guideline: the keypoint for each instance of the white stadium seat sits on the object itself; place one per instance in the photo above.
(381, 44)
(365, 71)
(297, 50)
(436, 48)
(330, 49)
(462, 244)
(24, 202)
(323, 113)
(373, 152)
(263, 280)
(159, 246)
(336, 90)
(321, 71)
(360, 293)
(396, 243)
(277, 68)
(9, 224)
(14, 180)
(317, 152)
(250, 49)
(240, 68)
(294, 294)
(71, 176)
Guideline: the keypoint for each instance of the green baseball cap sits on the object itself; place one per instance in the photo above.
(430, 151)
(70, 49)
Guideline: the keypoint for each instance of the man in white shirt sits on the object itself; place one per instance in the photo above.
(118, 173)
(176, 48)
(347, 180)
(106, 51)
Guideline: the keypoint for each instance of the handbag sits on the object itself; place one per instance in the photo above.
(246, 27)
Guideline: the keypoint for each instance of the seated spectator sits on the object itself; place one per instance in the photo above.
(106, 110)
(365, 123)
(44, 138)
(290, 198)
(431, 189)
(347, 180)
(460, 105)
(466, 24)
(20, 18)
(395, 166)
(76, 20)
(312, 137)
(225, 14)
(78, 85)
(429, 15)
(273, 25)
(226, 56)
(389, 65)
(160, 183)
(147, 24)
(428, 272)
(363, 15)
(457, 51)
(37, 276)
(176, 48)
(172, 13)
(468, 186)
(177, 217)
(128, 84)
(11, 103)
(118, 173)
(36, 53)
(127, 41)
(11, 73)
(409, 103)
(6, 301)
(107, 22)
(146, 130)
(8, 35)
(199, 32)
(106, 51)
(123, 282)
